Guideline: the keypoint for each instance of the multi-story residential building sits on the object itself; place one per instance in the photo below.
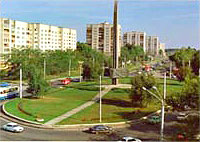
(100, 37)
(135, 38)
(17, 34)
(162, 48)
(152, 45)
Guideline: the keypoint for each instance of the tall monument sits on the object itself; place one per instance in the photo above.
(115, 43)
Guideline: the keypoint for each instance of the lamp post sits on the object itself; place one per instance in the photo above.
(20, 84)
(100, 101)
(44, 68)
(162, 100)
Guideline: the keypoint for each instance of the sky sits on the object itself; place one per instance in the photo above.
(175, 22)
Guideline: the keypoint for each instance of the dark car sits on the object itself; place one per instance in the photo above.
(75, 79)
(100, 129)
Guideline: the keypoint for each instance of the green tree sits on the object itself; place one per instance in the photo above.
(191, 90)
(183, 56)
(37, 85)
(184, 71)
(138, 96)
(94, 61)
(132, 52)
(195, 63)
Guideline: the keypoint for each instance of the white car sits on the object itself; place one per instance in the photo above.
(13, 127)
(182, 116)
(130, 139)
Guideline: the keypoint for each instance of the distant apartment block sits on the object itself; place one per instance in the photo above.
(100, 37)
(17, 34)
(135, 38)
(152, 43)
(162, 48)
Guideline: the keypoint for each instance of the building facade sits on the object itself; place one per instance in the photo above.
(100, 37)
(135, 38)
(162, 48)
(17, 34)
(152, 44)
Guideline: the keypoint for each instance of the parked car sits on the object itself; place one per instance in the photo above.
(13, 127)
(75, 79)
(182, 116)
(197, 136)
(154, 119)
(66, 81)
(100, 129)
(130, 139)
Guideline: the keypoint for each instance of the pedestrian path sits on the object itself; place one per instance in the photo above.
(85, 105)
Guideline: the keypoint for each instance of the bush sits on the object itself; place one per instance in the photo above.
(183, 72)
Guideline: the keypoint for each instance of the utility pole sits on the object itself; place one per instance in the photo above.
(20, 85)
(100, 101)
(70, 67)
(115, 42)
(163, 110)
(44, 68)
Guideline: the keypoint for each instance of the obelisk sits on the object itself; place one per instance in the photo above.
(115, 43)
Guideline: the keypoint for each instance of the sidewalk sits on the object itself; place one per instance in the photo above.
(85, 105)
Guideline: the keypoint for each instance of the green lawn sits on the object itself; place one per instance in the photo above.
(55, 103)
(116, 104)
(173, 86)
(116, 107)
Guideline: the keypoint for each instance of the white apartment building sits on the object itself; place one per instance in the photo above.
(100, 37)
(135, 38)
(17, 34)
(162, 47)
(152, 43)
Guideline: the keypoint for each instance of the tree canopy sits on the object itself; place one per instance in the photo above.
(131, 52)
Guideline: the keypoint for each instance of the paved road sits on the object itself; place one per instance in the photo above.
(34, 134)
(140, 130)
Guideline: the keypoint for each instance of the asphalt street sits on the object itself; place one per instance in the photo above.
(143, 131)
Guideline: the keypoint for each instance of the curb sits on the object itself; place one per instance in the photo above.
(3, 108)
(75, 126)
(26, 122)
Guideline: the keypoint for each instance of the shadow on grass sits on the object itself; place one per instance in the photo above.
(120, 103)
(137, 114)
(175, 84)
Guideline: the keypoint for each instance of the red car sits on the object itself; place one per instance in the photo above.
(66, 81)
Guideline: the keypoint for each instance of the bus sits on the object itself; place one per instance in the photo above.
(8, 92)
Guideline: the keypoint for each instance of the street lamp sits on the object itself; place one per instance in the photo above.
(162, 100)
(20, 84)
(44, 68)
(100, 101)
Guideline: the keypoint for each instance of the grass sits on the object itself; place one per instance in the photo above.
(12, 107)
(173, 86)
(54, 104)
(116, 107)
